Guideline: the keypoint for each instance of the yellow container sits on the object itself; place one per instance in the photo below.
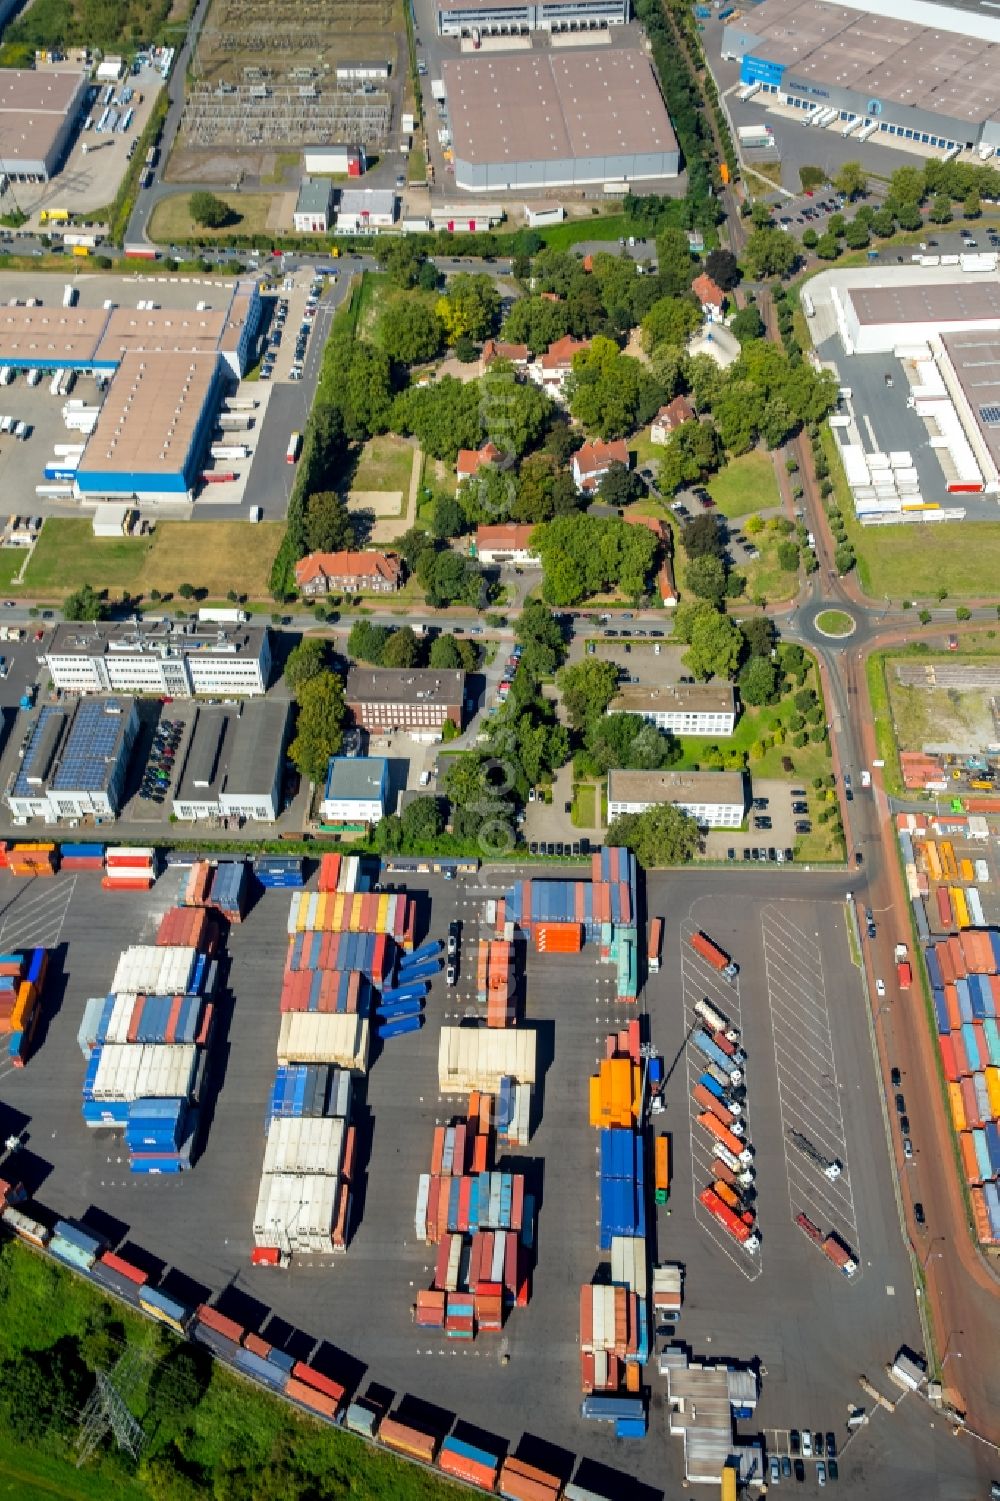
(957, 1106)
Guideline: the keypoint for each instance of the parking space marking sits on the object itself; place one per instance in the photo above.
(35, 916)
(809, 1092)
(701, 982)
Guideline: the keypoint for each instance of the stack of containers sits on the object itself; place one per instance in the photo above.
(22, 979)
(391, 913)
(482, 1222)
(622, 1184)
(231, 889)
(146, 1042)
(75, 1246)
(128, 869)
(610, 1338)
(304, 1200)
(279, 871)
(964, 972)
(496, 981)
(33, 859)
(513, 1113)
(82, 856)
(198, 886)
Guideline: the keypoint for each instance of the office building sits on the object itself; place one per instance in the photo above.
(166, 658)
(681, 708)
(414, 700)
(356, 791)
(234, 763)
(715, 799)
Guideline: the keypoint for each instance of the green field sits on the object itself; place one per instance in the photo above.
(915, 561)
(385, 464)
(11, 563)
(584, 814)
(206, 1435)
(764, 575)
(211, 555)
(171, 219)
(835, 623)
(745, 485)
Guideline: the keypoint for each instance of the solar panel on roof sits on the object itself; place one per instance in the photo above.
(990, 415)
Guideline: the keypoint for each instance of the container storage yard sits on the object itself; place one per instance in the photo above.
(510, 1180)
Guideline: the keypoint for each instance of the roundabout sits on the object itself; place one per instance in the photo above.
(836, 625)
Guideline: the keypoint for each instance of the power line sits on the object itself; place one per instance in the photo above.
(107, 1410)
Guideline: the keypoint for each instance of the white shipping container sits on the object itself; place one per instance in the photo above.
(294, 1212)
(146, 1071)
(982, 871)
(315, 1037)
(420, 1216)
(478, 1057)
(304, 1144)
(975, 907)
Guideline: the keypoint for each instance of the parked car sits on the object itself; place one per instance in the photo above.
(918, 1214)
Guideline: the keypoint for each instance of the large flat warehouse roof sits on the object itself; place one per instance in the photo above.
(893, 56)
(33, 108)
(975, 359)
(931, 302)
(150, 414)
(50, 333)
(555, 106)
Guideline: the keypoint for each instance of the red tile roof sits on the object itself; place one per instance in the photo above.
(471, 460)
(496, 349)
(510, 535)
(675, 412)
(559, 355)
(707, 292)
(593, 458)
(353, 565)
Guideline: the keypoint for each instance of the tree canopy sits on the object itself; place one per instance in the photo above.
(610, 393)
(586, 555)
(663, 835)
(587, 688)
(319, 729)
(328, 524)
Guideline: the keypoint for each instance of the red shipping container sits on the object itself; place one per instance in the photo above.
(201, 1040)
(517, 1201)
(961, 1061)
(952, 1007)
(510, 1264)
(480, 1154)
(125, 1268)
(523, 1482)
(265, 1256)
(170, 1033)
(523, 1290)
(213, 1319)
(943, 906)
(475, 1260)
(136, 1018)
(586, 1372)
(958, 958)
(308, 1396)
(464, 1195)
(586, 1316)
(350, 1151)
(969, 1101)
(257, 1346)
(441, 1265)
(316, 1379)
(945, 963)
(984, 1047)
(458, 1164)
(340, 1224)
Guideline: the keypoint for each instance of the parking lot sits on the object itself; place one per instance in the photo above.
(199, 1223)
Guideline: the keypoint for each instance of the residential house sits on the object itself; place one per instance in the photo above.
(669, 418)
(716, 799)
(471, 460)
(517, 355)
(508, 543)
(711, 296)
(551, 369)
(591, 462)
(348, 573)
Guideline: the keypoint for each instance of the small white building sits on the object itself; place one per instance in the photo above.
(365, 210)
(715, 340)
(506, 543)
(681, 708)
(356, 790)
(541, 214)
(312, 207)
(715, 799)
(335, 161)
(362, 72)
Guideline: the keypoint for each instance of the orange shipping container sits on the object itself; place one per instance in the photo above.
(969, 1160)
(407, 1440)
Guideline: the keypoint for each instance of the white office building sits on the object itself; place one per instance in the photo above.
(681, 708)
(716, 799)
(164, 658)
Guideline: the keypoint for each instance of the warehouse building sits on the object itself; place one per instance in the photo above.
(466, 18)
(716, 799)
(356, 791)
(876, 315)
(537, 120)
(164, 658)
(681, 708)
(416, 700)
(335, 161)
(900, 70)
(235, 763)
(39, 112)
(363, 210)
(167, 370)
(76, 761)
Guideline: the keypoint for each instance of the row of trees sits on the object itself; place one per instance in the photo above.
(381, 646)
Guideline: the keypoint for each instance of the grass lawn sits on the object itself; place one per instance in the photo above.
(584, 814)
(914, 562)
(416, 166)
(11, 561)
(172, 217)
(765, 576)
(746, 484)
(645, 450)
(373, 287)
(835, 623)
(572, 231)
(200, 553)
(385, 464)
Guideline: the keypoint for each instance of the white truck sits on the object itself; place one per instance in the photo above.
(233, 616)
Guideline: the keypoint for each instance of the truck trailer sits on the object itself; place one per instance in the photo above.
(714, 956)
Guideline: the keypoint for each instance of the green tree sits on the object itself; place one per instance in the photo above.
(706, 578)
(747, 322)
(402, 261)
(422, 821)
(941, 209)
(906, 185)
(671, 322)
(402, 649)
(828, 247)
(445, 416)
(515, 414)
(883, 223)
(208, 211)
(537, 322)
(447, 517)
(366, 642)
(328, 525)
(586, 555)
(769, 252)
(620, 486)
(676, 268)
(448, 651)
(909, 216)
(851, 180)
(715, 645)
(856, 235)
(663, 835)
(757, 681)
(470, 306)
(319, 730)
(971, 205)
(788, 556)
(609, 393)
(587, 688)
(304, 662)
(84, 603)
(409, 331)
(539, 633)
(702, 537)
(357, 382)
(694, 452)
